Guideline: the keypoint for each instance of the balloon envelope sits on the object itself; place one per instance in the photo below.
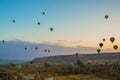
(3, 41)
(45, 50)
(18, 67)
(103, 39)
(25, 48)
(51, 29)
(106, 16)
(13, 21)
(89, 62)
(70, 65)
(101, 45)
(36, 48)
(43, 13)
(98, 50)
(115, 47)
(38, 23)
(49, 51)
(112, 39)
(76, 54)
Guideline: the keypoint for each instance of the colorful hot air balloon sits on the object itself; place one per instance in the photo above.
(115, 47)
(103, 39)
(98, 50)
(102, 64)
(106, 16)
(112, 39)
(80, 63)
(70, 66)
(101, 45)
(89, 62)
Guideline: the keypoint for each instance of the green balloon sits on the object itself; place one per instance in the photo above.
(81, 64)
(18, 67)
(115, 47)
(112, 39)
(98, 50)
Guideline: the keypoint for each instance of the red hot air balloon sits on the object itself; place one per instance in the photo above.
(76, 54)
(89, 62)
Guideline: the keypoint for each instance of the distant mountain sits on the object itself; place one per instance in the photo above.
(16, 50)
(8, 61)
(63, 59)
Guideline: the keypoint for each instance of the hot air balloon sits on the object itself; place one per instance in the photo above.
(3, 41)
(70, 66)
(38, 23)
(36, 48)
(76, 54)
(106, 16)
(25, 48)
(45, 50)
(102, 64)
(89, 62)
(98, 50)
(18, 67)
(47, 64)
(112, 39)
(103, 39)
(101, 45)
(13, 21)
(31, 62)
(51, 29)
(80, 63)
(43, 13)
(49, 51)
(115, 47)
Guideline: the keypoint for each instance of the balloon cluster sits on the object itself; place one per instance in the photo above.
(112, 39)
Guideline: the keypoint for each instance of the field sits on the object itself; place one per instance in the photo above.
(58, 69)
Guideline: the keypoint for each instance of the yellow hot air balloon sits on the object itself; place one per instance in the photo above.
(115, 47)
(106, 16)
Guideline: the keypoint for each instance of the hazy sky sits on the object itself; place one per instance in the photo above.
(75, 22)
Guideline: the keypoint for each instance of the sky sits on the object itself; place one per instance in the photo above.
(75, 22)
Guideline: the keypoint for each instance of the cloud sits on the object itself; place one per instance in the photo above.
(64, 43)
(15, 49)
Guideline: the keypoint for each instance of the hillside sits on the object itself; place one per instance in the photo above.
(63, 59)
